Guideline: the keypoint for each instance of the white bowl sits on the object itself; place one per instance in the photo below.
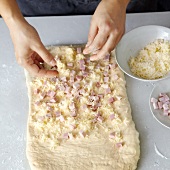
(133, 41)
(161, 87)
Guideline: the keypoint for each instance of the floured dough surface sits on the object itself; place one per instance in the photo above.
(81, 120)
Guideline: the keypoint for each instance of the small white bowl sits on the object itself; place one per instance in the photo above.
(133, 41)
(161, 87)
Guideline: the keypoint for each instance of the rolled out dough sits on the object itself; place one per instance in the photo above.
(96, 150)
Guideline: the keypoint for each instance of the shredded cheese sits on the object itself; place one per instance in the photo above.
(153, 61)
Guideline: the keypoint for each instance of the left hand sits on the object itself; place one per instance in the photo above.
(107, 28)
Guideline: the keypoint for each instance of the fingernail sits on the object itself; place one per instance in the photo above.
(92, 58)
(53, 62)
(85, 51)
(88, 44)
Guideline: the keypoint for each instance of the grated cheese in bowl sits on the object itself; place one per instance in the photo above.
(153, 61)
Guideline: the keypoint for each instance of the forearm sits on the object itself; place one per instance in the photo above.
(11, 14)
(122, 3)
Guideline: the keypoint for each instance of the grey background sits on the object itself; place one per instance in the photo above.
(14, 100)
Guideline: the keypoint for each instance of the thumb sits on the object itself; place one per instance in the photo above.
(45, 55)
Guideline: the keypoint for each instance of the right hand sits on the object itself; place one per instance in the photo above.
(30, 51)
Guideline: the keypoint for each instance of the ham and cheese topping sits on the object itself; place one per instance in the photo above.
(82, 98)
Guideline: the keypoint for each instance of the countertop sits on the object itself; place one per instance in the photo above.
(14, 100)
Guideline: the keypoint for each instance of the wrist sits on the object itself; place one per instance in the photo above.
(14, 21)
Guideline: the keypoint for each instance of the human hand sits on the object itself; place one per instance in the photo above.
(30, 51)
(106, 29)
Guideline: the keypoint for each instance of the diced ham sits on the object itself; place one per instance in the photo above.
(105, 86)
(61, 87)
(100, 119)
(162, 94)
(79, 77)
(84, 73)
(112, 66)
(105, 73)
(72, 73)
(82, 133)
(101, 96)
(120, 144)
(82, 91)
(78, 50)
(118, 97)
(53, 100)
(166, 98)
(87, 59)
(70, 135)
(98, 104)
(99, 113)
(73, 113)
(84, 106)
(107, 91)
(82, 67)
(106, 79)
(41, 118)
(155, 106)
(37, 103)
(98, 66)
(165, 112)
(45, 83)
(92, 93)
(76, 85)
(107, 68)
(72, 106)
(72, 79)
(49, 108)
(67, 89)
(61, 118)
(112, 116)
(65, 136)
(70, 64)
(98, 84)
(111, 100)
(154, 100)
(51, 93)
(94, 98)
(42, 95)
(57, 113)
(48, 115)
(95, 107)
(165, 106)
(94, 120)
(160, 105)
(163, 98)
(115, 77)
(72, 127)
(56, 87)
(36, 91)
(112, 135)
(64, 79)
(81, 61)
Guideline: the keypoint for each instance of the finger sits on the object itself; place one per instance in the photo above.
(40, 72)
(107, 48)
(33, 67)
(92, 33)
(44, 54)
(98, 42)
